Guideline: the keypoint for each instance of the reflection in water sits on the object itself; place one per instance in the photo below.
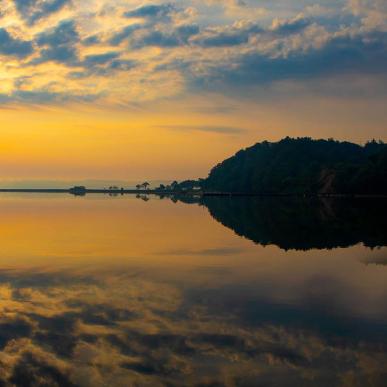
(304, 224)
(122, 292)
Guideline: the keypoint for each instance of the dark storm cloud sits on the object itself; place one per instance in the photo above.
(13, 46)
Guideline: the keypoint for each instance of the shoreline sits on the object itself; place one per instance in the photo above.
(76, 191)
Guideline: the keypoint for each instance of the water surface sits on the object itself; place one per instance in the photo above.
(119, 291)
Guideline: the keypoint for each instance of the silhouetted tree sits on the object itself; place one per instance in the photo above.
(303, 166)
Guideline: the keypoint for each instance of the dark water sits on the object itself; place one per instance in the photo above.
(100, 291)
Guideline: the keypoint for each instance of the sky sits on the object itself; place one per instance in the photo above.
(133, 89)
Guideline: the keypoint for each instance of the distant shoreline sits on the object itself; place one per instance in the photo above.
(78, 191)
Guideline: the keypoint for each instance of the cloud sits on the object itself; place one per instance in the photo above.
(122, 64)
(36, 371)
(372, 13)
(63, 33)
(341, 54)
(125, 33)
(102, 65)
(59, 43)
(47, 96)
(12, 46)
(34, 10)
(376, 260)
(91, 40)
(220, 251)
(227, 36)
(98, 59)
(97, 327)
(152, 11)
(62, 53)
(172, 37)
(156, 38)
(221, 46)
(228, 130)
(292, 26)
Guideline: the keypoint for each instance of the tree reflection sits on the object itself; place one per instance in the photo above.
(301, 224)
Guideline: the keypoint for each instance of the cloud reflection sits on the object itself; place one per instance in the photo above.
(196, 305)
(146, 330)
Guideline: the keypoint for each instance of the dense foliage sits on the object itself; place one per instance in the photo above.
(303, 166)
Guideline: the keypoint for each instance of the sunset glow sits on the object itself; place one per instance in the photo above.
(161, 90)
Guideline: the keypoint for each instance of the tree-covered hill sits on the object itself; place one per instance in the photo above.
(303, 166)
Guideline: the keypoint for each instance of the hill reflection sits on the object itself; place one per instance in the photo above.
(302, 224)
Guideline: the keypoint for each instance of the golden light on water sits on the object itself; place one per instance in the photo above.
(98, 290)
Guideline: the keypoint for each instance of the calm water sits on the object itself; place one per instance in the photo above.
(119, 291)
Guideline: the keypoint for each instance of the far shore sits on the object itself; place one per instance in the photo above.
(82, 191)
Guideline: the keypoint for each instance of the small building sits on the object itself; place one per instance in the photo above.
(78, 190)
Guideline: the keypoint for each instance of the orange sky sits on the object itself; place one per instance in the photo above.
(86, 142)
(160, 90)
